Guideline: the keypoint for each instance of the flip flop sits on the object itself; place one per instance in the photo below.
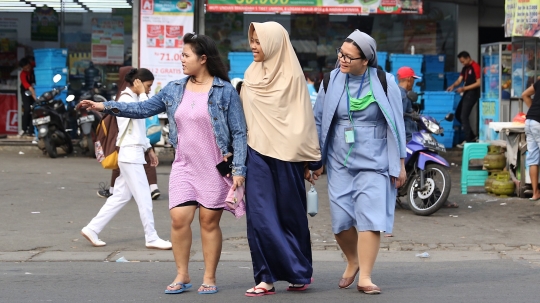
(206, 289)
(183, 287)
(299, 287)
(264, 292)
(531, 199)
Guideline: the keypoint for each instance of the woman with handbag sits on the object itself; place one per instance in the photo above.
(132, 181)
(361, 130)
(207, 126)
(151, 173)
(282, 140)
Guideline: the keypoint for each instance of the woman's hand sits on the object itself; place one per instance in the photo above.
(238, 181)
(138, 87)
(91, 105)
(154, 161)
(308, 175)
(402, 176)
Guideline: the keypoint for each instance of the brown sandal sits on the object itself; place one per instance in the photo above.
(346, 282)
(370, 290)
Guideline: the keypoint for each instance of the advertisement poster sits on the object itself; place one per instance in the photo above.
(162, 27)
(525, 21)
(318, 6)
(510, 9)
(8, 114)
(45, 23)
(108, 40)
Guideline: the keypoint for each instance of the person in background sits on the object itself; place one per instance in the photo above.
(406, 77)
(151, 173)
(470, 75)
(532, 131)
(311, 79)
(132, 181)
(27, 81)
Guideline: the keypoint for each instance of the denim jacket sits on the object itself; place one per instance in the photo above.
(224, 107)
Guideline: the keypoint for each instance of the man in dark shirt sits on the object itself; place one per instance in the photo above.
(27, 80)
(470, 75)
(532, 131)
(406, 77)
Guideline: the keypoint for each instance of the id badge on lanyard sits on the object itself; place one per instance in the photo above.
(349, 131)
(349, 135)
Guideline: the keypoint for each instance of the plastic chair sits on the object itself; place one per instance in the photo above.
(473, 177)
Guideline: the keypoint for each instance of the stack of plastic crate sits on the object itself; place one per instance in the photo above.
(434, 72)
(239, 62)
(413, 61)
(438, 105)
(50, 62)
(382, 58)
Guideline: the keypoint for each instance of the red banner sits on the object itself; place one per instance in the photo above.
(9, 119)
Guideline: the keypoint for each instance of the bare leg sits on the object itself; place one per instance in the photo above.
(533, 172)
(211, 242)
(368, 248)
(347, 241)
(181, 241)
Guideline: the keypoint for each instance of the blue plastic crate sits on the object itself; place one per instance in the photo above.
(439, 101)
(412, 61)
(382, 57)
(451, 78)
(44, 76)
(50, 57)
(433, 82)
(447, 140)
(236, 75)
(41, 89)
(434, 64)
(240, 61)
(447, 125)
(457, 99)
(437, 115)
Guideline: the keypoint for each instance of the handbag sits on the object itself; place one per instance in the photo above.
(235, 197)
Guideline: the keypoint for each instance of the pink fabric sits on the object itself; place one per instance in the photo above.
(194, 176)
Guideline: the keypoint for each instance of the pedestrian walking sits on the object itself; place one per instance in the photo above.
(132, 181)
(207, 127)
(151, 173)
(361, 130)
(282, 139)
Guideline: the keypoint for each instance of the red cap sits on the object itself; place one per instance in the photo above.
(406, 72)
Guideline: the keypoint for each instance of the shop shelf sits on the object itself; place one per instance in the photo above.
(412, 61)
(439, 101)
(434, 64)
(50, 57)
(240, 61)
(44, 76)
(434, 82)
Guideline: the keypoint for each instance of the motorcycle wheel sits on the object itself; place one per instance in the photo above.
(68, 147)
(91, 147)
(432, 198)
(50, 147)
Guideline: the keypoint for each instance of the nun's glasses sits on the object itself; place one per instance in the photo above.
(346, 58)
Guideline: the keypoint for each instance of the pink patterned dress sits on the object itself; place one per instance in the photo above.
(194, 176)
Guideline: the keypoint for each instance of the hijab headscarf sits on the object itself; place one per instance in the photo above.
(276, 101)
(367, 45)
(122, 83)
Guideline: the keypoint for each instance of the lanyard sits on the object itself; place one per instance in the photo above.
(357, 95)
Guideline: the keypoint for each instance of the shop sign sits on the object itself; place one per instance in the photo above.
(108, 40)
(162, 27)
(522, 18)
(44, 26)
(318, 6)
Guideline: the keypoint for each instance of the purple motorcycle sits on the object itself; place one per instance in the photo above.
(428, 181)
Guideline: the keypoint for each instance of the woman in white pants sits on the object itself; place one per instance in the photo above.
(132, 181)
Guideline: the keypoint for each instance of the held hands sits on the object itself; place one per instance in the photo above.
(91, 105)
(310, 176)
(138, 87)
(237, 180)
(154, 161)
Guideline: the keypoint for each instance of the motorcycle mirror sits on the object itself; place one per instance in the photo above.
(449, 117)
(28, 93)
(57, 78)
(70, 98)
(413, 96)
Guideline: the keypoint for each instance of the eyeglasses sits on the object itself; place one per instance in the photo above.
(346, 58)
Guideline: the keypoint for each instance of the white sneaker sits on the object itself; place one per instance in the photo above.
(462, 144)
(91, 236)
(159, 244)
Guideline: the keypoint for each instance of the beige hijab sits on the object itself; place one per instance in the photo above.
(276, 101)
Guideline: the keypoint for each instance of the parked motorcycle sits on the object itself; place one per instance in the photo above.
(49, 117)
(88, 121)
(428, 181)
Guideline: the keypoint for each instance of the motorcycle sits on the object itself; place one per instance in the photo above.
(88, 121)
(49, 117)
(428, 182)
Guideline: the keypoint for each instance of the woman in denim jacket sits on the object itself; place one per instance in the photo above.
(207, 125)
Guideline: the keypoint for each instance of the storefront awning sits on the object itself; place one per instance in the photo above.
(317, 6)
(71, 6)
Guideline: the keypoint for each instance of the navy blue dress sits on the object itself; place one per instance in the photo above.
(277, 225)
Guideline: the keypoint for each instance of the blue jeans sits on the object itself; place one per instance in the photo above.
(532, 131)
